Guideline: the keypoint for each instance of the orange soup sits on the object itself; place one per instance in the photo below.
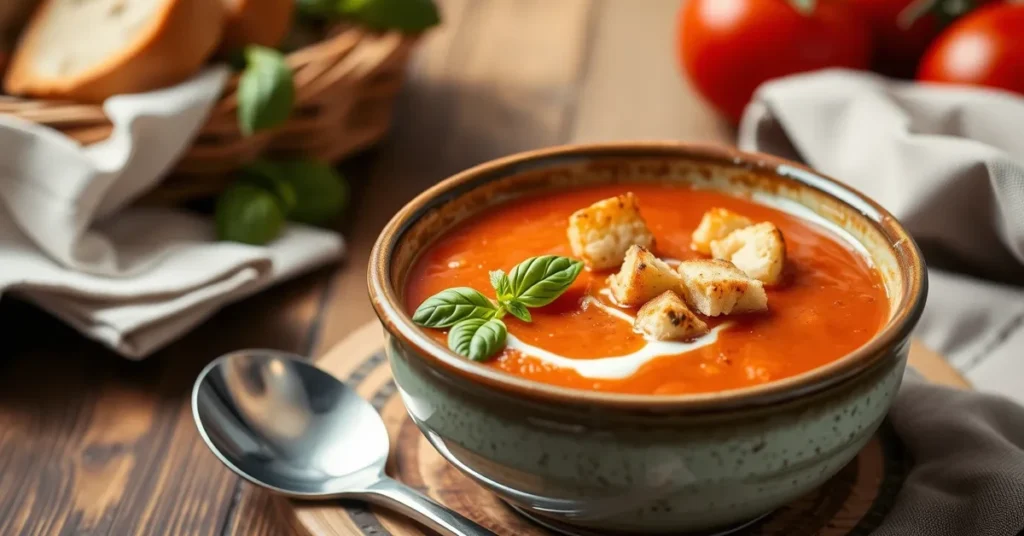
(830, 301)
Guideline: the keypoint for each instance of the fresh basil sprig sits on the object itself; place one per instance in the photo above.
(477, 330)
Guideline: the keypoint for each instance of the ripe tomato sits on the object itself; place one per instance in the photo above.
(898, 48)
(984, 48)
(729, 47)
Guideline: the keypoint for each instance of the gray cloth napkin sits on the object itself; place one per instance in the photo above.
(968, 472)
(949, 163)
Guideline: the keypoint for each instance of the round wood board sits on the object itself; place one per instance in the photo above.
(851, 503)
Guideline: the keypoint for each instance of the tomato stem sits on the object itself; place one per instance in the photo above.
(945, 10)
(805, 7)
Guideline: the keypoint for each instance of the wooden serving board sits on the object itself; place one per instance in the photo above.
(851, 503)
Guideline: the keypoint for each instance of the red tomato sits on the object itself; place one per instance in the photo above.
(729, 47)
(898, 49)
(984, 48)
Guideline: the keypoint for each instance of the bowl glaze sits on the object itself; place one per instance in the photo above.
(646, 463)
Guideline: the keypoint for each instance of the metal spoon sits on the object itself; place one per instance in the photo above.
(284, 424)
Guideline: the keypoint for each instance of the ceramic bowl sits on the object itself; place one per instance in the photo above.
(645, 463)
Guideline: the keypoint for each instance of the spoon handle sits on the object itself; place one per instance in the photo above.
(394, 494)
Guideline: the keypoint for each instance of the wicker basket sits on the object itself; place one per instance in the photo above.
(345, 86)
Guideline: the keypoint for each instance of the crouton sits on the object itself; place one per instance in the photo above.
(642, 277)
(716, 224)
(758, 250)
(666, 318)
(601, 233)
(716, 287)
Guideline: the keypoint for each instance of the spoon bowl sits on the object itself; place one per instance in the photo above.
(284, 424)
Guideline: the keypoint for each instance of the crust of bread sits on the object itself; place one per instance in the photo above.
(175, 45)
(257, 22)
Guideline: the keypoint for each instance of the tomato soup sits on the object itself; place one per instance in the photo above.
(830, 302)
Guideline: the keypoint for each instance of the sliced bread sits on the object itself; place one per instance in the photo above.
(256, 22)
(88, 50)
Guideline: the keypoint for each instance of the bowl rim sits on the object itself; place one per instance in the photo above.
(886, 343)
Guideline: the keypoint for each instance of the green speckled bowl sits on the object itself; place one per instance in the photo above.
(638, 463)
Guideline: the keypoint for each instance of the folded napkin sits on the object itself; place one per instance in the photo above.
(968, 455)
(949, 163)
(132, 278)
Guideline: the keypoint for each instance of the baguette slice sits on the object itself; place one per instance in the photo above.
(256, 22)
(88, 50)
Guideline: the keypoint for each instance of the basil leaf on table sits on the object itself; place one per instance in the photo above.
(478, 339)
(537, 281)
(265, 175)
(248, 214)
(266, 91)
(404, 15)
(517, 310)
(451, 306)
(321, 193)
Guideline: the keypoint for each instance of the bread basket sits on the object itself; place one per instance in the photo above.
(345, 87)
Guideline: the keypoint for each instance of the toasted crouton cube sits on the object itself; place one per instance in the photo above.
(642, 277)
(601, 233)
(666, 318)
(758, 250)
(716, 224)
(716, 287)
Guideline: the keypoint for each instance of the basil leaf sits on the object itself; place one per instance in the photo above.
(478, 339)
(316, 8)
(537, 281)
(448, 307)
(518, 310)
(266, 91)
(502, 286)
(248, 214)
(265, 175)
(321, 193)
(404, 15)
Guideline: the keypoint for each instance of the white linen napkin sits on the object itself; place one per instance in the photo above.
(949, 163)
(132, 278)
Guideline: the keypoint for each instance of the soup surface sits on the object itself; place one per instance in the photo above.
(830, 302)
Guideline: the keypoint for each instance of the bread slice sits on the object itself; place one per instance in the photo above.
(88, 50)
(256, 22)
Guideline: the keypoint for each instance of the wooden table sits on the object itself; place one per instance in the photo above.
(92, 443)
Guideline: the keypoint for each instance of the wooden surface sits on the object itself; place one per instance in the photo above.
(93, 444)
(854, 501)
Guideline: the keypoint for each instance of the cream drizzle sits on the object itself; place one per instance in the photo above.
(615, 367)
